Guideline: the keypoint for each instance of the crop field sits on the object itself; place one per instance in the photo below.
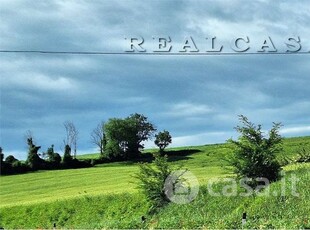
(106, 196)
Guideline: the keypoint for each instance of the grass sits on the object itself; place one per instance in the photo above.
(47, 186)
(125, 210)
(105, 196)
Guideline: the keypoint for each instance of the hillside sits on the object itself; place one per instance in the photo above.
(105, 196)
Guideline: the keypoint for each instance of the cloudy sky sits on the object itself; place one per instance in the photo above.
(196, 98)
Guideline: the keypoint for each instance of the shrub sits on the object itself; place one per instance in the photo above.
(152, 180)
(254, 154)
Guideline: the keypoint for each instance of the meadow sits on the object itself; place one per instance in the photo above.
(105, 196)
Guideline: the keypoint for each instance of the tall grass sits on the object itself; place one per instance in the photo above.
(206, 211)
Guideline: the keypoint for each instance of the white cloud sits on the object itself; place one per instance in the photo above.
(186, 109)
(39, 82)
(299, 130)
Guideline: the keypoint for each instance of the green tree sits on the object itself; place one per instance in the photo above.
(254, 154)
(162, 140)
(53, 157)
(67, 159)
(128, 134)
(10, 159)
(33, 159)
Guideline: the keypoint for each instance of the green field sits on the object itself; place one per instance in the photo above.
(105, 196)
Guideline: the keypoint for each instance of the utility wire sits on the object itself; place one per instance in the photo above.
(149, 54)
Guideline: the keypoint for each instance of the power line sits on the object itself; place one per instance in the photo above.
(48, 52)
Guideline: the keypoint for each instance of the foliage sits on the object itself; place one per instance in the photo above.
(151, 180)
(255, 155)
(52, 157)
(128, 134)
(162, 140)
(33, 159)
(67, 158)
(113, 150)
(10, 159)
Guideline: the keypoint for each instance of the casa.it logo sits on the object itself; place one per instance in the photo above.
(181, 187)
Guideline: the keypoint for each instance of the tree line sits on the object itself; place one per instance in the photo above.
(117, 139)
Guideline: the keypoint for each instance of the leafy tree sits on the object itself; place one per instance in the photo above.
(33, 159)
(128, 134)
(98, 137)
(67, 159)
(10, 159)
(151, 180)
(254, 154)
(141, 130)
(113, 150)
(53, 157)
(162, 140)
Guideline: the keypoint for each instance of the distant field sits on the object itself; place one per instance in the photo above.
(44, 186)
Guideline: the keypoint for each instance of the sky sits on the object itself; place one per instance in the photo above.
(196, 98)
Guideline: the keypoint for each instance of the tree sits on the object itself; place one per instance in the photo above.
(98, 137)
(254, 154)
(141, 130)
(10, 159)
(67, 159)
(53, 157)
(128, 134)
(162, 140)
(33, 159)
(71, 136)
(1, 155)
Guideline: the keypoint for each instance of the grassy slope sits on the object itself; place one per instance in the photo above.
(125, 210)
(106, 178)
(77, 198)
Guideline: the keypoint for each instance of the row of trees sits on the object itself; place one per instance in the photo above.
(50, 160)
(117, 139)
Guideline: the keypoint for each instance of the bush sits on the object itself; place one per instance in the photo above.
(152, 181)
(255, 155)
